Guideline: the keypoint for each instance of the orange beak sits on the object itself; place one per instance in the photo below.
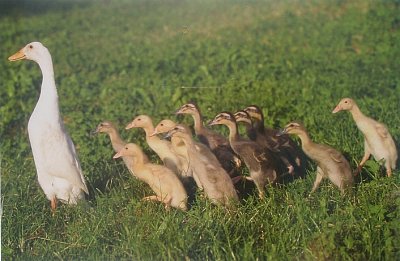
(118, 155)
(17, 56)
(337, 109)
(130, 126)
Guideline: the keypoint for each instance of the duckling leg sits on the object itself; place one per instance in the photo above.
(366, 156)
(318, 179)
(167, 201)
(388, 169)
(148, 198)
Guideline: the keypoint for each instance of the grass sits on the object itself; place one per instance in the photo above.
(117, 59)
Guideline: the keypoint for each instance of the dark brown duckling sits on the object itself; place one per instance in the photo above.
(218, 144)
(288, 151)
(260, 162)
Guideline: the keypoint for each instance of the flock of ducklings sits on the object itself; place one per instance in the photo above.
(212, 160)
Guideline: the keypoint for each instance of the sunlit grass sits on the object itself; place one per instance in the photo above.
(117, 59)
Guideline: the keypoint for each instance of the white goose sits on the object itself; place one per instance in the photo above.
(58, 169)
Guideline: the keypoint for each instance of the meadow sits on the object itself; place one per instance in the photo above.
(114, 60)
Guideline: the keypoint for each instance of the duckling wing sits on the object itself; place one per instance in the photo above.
(336, 156)
(252, 154)
(382, 130)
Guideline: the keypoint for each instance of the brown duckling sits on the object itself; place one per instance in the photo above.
(377, 139)
(288, 151)
(116, 141)
(331, 163)
(216, 182)
(218, 144)
(260, 162)
(167, 186)
(162, 148)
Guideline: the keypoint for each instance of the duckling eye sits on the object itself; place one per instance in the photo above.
(162, 124)
(31, 46)
(345, 101)
(139, 119)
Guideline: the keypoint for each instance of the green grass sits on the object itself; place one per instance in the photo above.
(117, 59)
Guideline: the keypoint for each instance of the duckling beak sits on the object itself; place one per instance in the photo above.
(337, 109)
(154, 133)
(282, 132)
(130, 126)
(94, 132)
(17, 56)
(212, 122)
(118, 155)
(166, 136)
(178, 111)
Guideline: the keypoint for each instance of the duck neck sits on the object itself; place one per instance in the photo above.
(306, 142)
(251, 133)
(149, 129)
(139, 158)
(259, 125)
(116, 140)
(356, 113)
(198, 121)
(48, 91)
(233, 131)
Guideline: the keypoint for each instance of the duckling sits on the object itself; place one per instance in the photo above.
(260, 162)
(331, 163)
(58, 168)
(168, 188)
(178, 146)
(116, 141)
(377, 139)
(218, 144)
(244, 118)
(216, 182)
(283, 145)
(161, 147)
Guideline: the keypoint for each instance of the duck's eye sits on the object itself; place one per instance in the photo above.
(31, 46)
(345, 101)
(139, 119)
(162, 124)
(126, 148)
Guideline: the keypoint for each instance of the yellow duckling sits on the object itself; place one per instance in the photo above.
(377, 139)
(167, 186)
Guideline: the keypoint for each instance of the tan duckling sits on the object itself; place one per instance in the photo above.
(218, 144)
(217, 184)
(331, 163)
(161, 147)
(260, 162)
(288, 151)
(167, 186)
(178, 146)
(377, 139)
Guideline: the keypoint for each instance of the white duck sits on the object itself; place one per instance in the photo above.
(377, 139)
(58, 169)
